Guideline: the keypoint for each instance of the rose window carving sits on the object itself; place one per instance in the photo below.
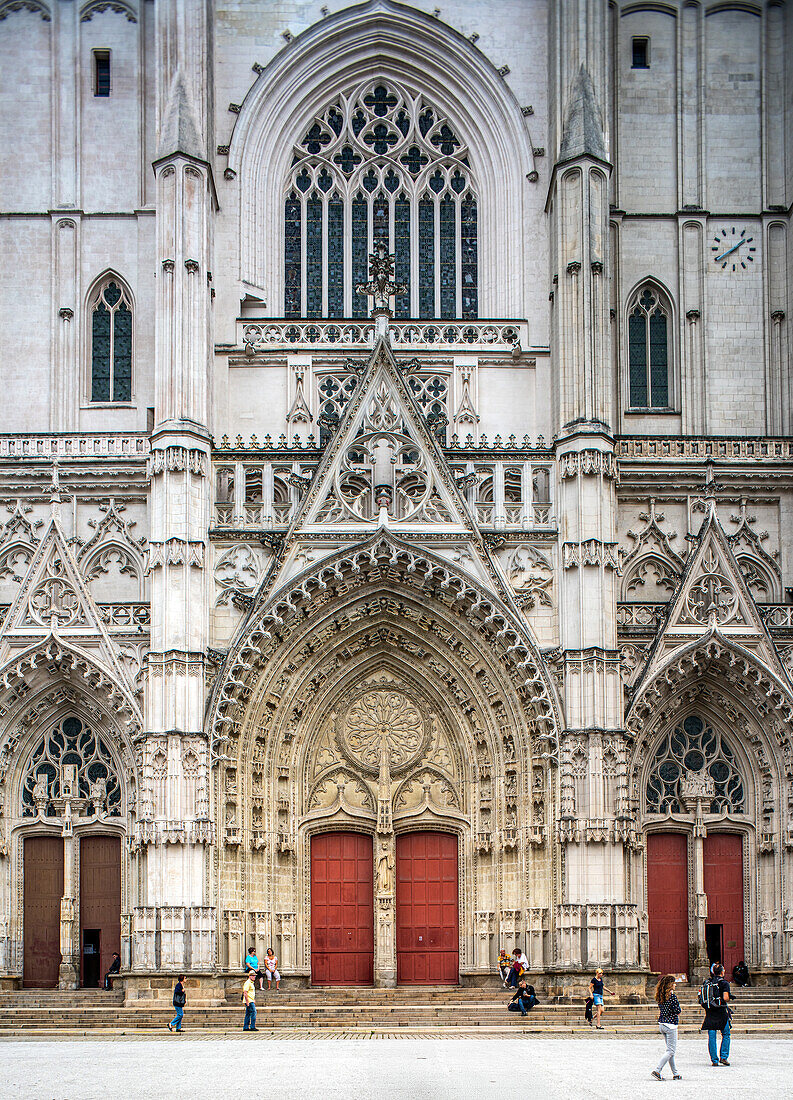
(694, 763)
(383, 719)
(54, 597)
(712, 598)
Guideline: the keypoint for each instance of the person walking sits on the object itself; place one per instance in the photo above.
(271, 969)
(179, 1001)
(668, 1019)
(596, 989)
(249, 1000)
(714, 997)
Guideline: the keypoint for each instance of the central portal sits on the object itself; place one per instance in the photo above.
(342, 909)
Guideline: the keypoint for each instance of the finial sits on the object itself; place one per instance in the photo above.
(381, 286)
(55, 491)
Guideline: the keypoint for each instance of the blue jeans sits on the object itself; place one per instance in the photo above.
(512, 978)
(177, 1020)
(250, 1017)
(724, 1052)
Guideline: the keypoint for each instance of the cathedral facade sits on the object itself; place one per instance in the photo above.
(396, 556)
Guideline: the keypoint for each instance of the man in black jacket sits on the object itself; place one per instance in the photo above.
(717, 1016)
(523, 999)
(115, 967)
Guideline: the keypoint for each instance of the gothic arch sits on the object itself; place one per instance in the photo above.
(389, 40)
(666, 301)
(91, 298)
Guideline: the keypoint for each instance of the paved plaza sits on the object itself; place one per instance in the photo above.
(364, 1069)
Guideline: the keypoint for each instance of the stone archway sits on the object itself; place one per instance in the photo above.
(377, 704)
(717, 721)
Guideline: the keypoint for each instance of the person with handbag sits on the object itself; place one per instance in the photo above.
(179, 1001)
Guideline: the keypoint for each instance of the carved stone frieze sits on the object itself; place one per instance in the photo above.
(591, 552)
(176, 459)
(176, 551)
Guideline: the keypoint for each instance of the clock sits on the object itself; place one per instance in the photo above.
(731, 249)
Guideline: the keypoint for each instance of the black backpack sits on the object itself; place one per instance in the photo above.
(710, 994)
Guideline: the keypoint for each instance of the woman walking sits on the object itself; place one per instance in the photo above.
(596, 990)
(668, 1019)
(179, 1001)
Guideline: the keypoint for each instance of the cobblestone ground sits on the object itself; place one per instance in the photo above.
(362, 1069)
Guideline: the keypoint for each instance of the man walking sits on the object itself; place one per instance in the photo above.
(714, 998)
(249, 997)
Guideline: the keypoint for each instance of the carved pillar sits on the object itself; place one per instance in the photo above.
(385, 946)
(69, 970)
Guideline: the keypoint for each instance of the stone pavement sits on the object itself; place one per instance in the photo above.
(397, 1068)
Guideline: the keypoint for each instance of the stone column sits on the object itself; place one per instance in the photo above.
(385, 945)
(180, 474)
(69, 970)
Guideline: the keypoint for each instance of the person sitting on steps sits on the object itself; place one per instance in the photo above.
(523, 999)
(115, 967)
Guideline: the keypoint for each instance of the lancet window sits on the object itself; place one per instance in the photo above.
(384, 164)
(649, 328)
(72, 763)
(111, 343)
(694, 763)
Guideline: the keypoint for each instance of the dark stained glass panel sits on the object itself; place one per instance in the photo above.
(292, 245)
(637, 354)
(469, 259)
(100, 354)
(314, 258)
(360, 245)
(122, 354)
(335, 259)
(448, 241)
(402, 251)
(426, 258)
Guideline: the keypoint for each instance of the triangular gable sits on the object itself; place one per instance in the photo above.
(54, 601)
(384, 465)
(712, 595)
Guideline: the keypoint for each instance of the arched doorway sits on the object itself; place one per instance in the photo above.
(100, 906)
(427, 909)
(43, 870)
(342, 909)
(723, 876)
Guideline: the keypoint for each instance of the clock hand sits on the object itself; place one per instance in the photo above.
(729, 250)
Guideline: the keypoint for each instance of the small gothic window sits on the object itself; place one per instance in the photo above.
(381, 164)
(692, 763)
(640, 53)
(101, 73)
(71, 763)
(111, 343)
(648, 350)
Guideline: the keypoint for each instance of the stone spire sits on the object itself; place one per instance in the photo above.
(582, 133)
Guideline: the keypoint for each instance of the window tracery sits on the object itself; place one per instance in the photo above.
(381, 164)
(71, 743)
(694, 762)
(649, 359)
(110, 311)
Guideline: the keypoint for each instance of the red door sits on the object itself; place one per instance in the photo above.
(427, 933)
(342, 909)
(724, 887)
(667, 902)
(100, 903)
(42, 911)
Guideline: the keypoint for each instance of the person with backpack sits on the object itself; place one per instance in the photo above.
(714, 997)
(668, 1019)
(179, 1001)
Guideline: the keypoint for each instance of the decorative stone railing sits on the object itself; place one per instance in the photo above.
(107, 445)
(125, 616)
(255, 336)
(645, 617)
(704, 449)
(778, 616)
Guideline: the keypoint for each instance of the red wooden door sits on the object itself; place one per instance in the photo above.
(100, 897)
(667, 902)
(42, 911)
(427, 932)
(724, 887)
(342, 909)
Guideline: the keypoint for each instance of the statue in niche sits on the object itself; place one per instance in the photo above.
(385, 870)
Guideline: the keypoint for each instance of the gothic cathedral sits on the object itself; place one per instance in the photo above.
(396, 548)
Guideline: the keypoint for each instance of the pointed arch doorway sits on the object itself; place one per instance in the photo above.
(427, 909)
(342, 909)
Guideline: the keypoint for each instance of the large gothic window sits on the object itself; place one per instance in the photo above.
(111, 342)
(72, 763)
(694, 763)
(380, 164)
(649, 336)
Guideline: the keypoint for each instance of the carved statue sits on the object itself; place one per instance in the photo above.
(97, 792)
(40, 791)
(385, 870)
(381, 286)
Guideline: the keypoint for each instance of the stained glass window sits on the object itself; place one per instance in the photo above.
(70, 744)
(111, 343)
(694, 761)
(648, 351)
(381, 164)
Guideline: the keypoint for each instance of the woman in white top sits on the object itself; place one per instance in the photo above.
(271, 969)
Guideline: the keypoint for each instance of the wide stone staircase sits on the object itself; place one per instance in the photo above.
(363, 1012)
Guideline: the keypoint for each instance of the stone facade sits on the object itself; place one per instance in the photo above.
(335, 571)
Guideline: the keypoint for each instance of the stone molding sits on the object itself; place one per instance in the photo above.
(588, 462)
(175, 551)
(176, 460)
(591, 552)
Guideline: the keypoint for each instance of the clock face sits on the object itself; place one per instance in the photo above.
(733, 249)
